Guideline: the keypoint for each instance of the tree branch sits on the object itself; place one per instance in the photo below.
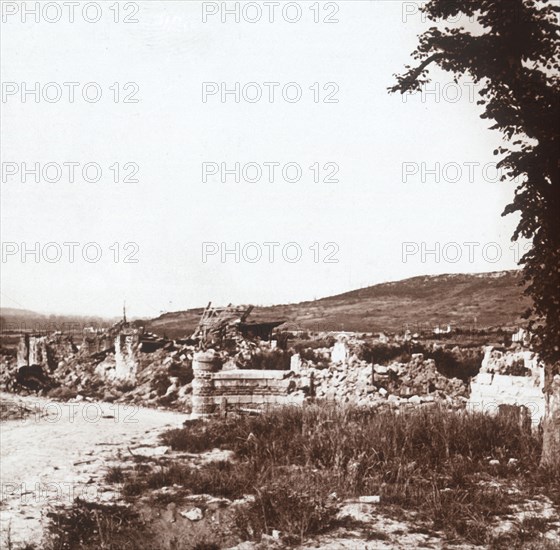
(406, 83)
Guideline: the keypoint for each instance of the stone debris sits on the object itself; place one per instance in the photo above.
(150, 451)
(361, 383)
(509, 378)
(375, 499)
(164, 377)
(126, 364)
(193, 514)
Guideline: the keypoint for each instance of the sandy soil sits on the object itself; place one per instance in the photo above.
(60, 451)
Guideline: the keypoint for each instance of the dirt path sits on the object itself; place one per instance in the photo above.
(61, 451)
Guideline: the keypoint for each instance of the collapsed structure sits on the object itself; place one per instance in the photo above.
(218, 324)
(231, 363)
(514, 378)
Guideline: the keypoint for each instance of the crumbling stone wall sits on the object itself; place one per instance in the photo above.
(352, 381)
(126, 354)
(32, 350)
(215, 390)
(491, 388)
(96, 341)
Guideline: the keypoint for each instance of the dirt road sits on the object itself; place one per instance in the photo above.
(61, 451)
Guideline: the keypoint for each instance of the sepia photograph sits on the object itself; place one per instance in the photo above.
(280, 275)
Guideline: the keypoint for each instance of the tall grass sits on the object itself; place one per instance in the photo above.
(91, 526)
(452, 469)
(382, 445)
(433, 461)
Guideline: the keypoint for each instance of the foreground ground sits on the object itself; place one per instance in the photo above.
(52, 452)
(321, 476)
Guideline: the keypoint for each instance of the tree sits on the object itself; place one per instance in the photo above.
(512, 49)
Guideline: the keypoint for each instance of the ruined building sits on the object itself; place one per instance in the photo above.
(127, 343)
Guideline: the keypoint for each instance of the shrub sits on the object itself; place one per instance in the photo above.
(462, 365)
(304, 345)
(296, 503)
(94, 526)
(115, 474)
(517, 368)
(381, 354)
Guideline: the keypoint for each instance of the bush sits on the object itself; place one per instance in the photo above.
(463, 364)
(295, 503)
(517, 369)
(304, 345)
(94, 526)
(382, 354)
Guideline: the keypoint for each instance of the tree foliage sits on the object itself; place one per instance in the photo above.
(511, 48)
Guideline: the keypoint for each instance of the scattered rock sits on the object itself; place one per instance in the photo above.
(150, 451)
(193, 514)
(375, 499)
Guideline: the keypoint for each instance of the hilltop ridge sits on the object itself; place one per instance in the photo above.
(464, 300)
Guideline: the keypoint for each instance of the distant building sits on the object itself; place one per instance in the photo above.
(522, 336)
(439, 330)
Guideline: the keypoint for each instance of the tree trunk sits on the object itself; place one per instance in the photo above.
(551, 423)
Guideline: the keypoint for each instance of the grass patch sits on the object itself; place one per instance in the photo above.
(377, 535)
(221, 478)
(95, 526)
(434, 461)
(296, 503)
(115, 474)
(297, 463)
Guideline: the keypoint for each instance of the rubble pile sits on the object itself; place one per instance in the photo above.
(359, 382)
(519, 362)
(164, 378)
(126, 364)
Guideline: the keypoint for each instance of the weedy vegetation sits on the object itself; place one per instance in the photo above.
(454, 472)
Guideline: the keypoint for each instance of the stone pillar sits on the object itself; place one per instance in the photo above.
(32, 350)
(23, 351)
(204, 364)
(126, 351)
(339, 353)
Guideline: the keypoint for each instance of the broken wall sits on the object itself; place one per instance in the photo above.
(216, 390)
(491, 388)
(32, 350)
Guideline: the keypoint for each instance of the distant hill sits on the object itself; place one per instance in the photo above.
(13, 319)
(493, 299)
(9, 312)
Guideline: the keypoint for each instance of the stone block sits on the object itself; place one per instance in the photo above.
(524, 382)
(502, 381)
(251, 374)
(483, 378)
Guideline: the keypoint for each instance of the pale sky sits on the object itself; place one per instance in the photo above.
(170, 132)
